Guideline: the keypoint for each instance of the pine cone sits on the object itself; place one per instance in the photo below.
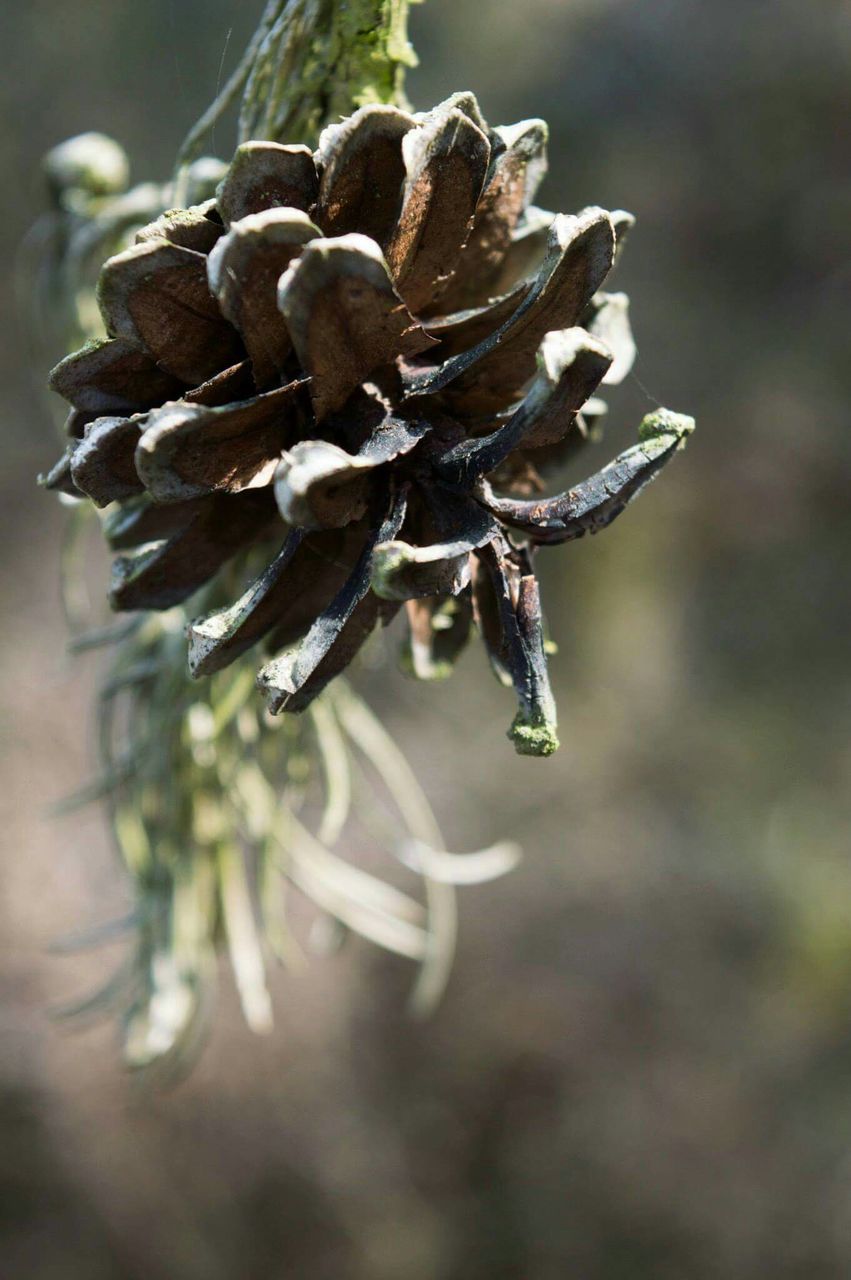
(356, 366)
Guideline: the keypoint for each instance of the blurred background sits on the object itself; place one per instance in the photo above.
(642, 1067)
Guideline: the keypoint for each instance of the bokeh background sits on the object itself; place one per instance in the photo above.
(643, 1064)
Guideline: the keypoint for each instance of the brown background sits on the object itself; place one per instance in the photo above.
(643, 1065)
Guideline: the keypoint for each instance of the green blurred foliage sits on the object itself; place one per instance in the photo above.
(643, 1066)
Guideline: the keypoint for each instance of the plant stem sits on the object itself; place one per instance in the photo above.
(308, 63)
(320, 59)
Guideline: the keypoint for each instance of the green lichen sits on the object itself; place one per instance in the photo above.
(533, 737)
(664, 422)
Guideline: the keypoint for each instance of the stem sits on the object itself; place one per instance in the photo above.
(308, 63)
(320, 59)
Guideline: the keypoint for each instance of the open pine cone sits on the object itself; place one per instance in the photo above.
(354, 367)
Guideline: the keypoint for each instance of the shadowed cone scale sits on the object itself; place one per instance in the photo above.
(348, 377)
